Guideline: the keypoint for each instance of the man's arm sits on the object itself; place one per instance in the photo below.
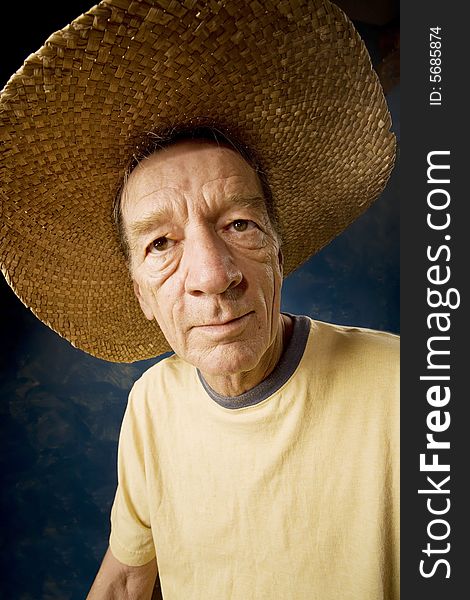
(116, 581)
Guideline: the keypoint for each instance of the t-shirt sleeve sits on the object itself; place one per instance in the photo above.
(131, 540)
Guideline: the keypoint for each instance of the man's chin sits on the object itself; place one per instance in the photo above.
(227, 360)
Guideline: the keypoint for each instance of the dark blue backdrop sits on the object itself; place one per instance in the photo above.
(61, 409)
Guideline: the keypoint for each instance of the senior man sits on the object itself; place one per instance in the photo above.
(260, 460)
(262, 482)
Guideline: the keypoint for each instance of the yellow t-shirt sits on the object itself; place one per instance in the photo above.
(294, 497)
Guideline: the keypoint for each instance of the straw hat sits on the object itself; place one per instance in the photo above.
(291, 78)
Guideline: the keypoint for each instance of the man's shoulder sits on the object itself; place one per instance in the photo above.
(169, 368)
(167, 378)
(357, 336)
(356, 346)
(358, 363)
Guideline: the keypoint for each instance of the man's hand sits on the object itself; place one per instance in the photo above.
(116, 581)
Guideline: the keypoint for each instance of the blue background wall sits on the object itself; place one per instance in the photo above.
(60, 409)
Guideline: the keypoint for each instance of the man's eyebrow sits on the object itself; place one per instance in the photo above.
(148, 222)
(241, 200)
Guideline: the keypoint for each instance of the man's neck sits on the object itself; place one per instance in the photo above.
(238, 383)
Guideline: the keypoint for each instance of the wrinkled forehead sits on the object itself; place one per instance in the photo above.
(191, 167)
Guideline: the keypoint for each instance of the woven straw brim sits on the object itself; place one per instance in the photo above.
(291, 78)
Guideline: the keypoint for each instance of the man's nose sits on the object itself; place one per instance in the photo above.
(210, 266)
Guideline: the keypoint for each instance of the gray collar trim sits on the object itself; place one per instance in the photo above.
(284, 369)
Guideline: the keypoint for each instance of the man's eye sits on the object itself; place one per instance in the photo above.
(160, 244)
(241, 225)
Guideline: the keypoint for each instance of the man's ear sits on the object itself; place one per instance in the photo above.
(143, 303)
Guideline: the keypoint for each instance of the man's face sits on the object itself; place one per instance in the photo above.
(204, 256)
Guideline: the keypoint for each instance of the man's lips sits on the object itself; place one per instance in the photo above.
(224, 322)
(225, 325)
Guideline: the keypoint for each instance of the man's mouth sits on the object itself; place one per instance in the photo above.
(226, 326)
(225, 321)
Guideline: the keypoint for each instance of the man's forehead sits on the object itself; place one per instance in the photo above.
(188, 158)
(192, 167)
